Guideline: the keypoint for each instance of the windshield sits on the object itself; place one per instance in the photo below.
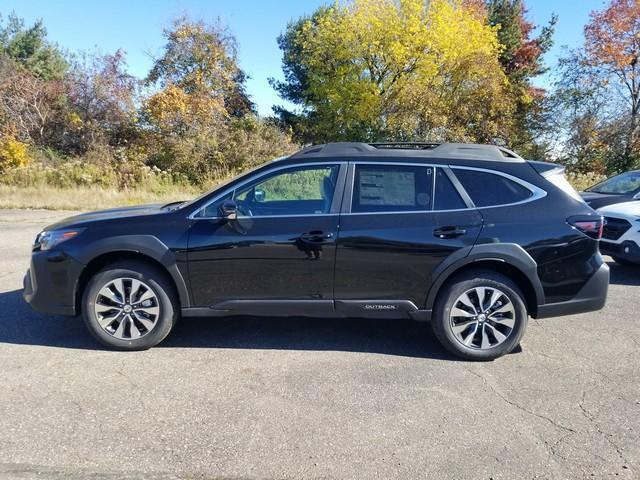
(622, 184)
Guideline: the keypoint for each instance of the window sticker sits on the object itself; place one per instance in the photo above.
(390, 188)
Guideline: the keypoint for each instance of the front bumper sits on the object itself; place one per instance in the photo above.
(627, 250)
(50, 283)
(592, 296)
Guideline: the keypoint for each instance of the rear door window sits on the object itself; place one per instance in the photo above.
(392, 188)
(488, 189)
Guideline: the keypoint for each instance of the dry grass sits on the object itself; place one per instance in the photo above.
(84, 198)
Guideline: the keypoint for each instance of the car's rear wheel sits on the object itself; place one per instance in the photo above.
(480, 315)
(129, 306)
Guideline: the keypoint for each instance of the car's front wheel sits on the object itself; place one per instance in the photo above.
(480, 315)
(129, 306)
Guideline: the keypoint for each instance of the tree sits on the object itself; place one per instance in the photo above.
(597, 94)
(521, 57)
(200, 121)
(201, 60)
(102, 100)
(30, 107)
(31, 88)
(30, 49)
(370, 70)
(612, 47)
(295, 87)
(522, 54)
(583, 116)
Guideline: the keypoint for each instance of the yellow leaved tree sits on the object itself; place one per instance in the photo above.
(396, 69)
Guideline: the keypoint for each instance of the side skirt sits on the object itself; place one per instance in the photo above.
(313, 308)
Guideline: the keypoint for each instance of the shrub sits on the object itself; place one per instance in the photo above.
(582, 181)
(13, 153)
(208, 155)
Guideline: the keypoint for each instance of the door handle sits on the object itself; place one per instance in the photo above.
(316, 236)
(449, 232)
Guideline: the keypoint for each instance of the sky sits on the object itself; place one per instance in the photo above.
(136, 27)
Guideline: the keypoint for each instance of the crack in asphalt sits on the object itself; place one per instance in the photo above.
(520, 407)
(555, 445)
(125, 376)
(570, 431)
(552, 448)
(592, 419)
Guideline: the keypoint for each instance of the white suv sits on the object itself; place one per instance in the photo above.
(621, 236)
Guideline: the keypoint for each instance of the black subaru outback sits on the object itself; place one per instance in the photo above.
(472, 238)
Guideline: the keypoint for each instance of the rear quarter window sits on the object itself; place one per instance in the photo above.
(488, 189)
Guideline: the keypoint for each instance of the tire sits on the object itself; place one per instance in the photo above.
(152, 310)
(501, 319)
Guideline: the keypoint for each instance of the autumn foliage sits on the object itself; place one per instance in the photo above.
(613, 38)
(373, 70)
(354, 70)
(597, 97)
(190, 118)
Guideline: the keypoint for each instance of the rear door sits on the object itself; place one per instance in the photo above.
(398, 223)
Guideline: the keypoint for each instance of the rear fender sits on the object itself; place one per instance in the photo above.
(509, 253)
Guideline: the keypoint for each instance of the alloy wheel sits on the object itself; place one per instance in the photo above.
(482, 318)
(127, 308)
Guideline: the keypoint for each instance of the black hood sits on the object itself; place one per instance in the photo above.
(596, 200)
(110, 214)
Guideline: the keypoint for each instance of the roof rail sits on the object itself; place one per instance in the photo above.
(476, 151)
(336, 148)
(406, 145)
(462, 151)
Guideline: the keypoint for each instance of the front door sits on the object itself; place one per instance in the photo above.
(278, 251)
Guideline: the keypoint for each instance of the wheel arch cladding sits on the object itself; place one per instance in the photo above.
(507, 259)
(144, 248)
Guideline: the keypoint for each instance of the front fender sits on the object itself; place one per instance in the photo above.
(147, 245)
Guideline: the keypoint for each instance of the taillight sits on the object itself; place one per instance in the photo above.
(590, 226)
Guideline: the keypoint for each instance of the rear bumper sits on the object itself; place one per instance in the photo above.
(627, 250)
(50, 283)
(592, 296)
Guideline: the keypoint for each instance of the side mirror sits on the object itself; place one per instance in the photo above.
(229, 210)
(259, 196)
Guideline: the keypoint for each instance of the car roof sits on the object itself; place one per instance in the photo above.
(404, 150)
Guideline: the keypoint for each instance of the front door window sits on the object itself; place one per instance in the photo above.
(301, 190)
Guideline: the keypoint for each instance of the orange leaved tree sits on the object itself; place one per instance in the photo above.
(612, 47)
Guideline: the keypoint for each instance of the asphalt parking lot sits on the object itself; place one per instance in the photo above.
(308, 398)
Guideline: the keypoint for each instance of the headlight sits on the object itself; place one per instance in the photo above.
(46, 240)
